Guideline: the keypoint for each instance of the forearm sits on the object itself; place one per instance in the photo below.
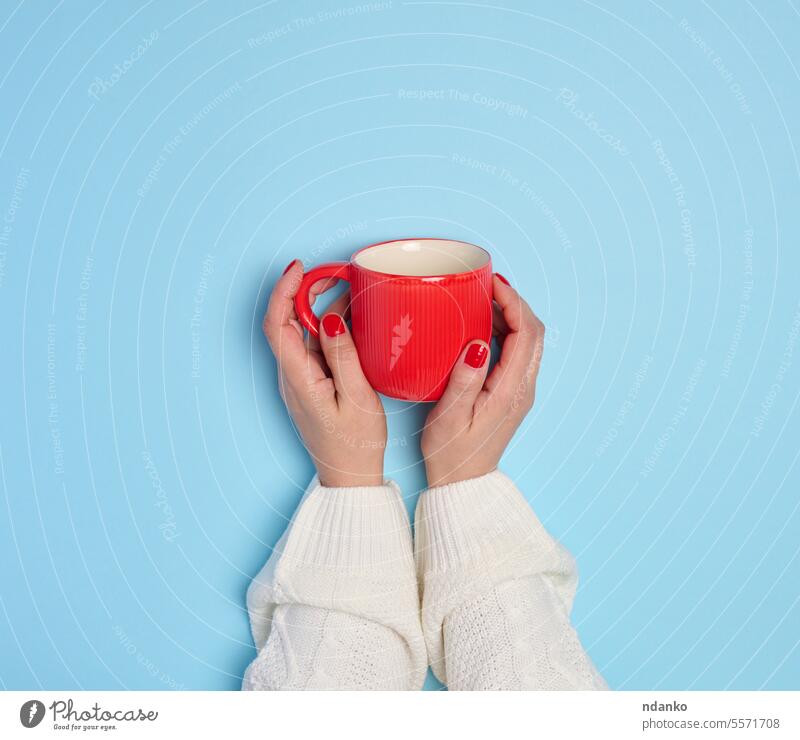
(337, 604)
(497, 591)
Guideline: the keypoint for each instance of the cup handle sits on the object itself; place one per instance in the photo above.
(302, 305)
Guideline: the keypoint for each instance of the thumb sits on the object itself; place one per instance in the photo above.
(466, 380)
(342, 358)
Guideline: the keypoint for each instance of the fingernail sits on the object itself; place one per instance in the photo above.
(500, 277)
(333, 325)
(289, 266)
(476, 356)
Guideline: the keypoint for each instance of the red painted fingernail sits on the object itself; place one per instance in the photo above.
(476, 356)
(500, 277)
(333, 325)
(289, 266)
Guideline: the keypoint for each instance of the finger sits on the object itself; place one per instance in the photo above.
(341, 306)
(517, 369)
(466, 380)
(320, 287)
(499, 326)
(283, 332)
(513, 308)
(316, 290)
(342, 358)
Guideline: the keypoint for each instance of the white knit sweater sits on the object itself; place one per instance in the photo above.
(337, 606)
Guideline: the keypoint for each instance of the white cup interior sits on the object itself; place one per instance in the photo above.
(422, 257)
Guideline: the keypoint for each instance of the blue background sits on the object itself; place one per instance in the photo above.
(633, 168)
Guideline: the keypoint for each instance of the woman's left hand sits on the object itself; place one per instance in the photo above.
(339, 416)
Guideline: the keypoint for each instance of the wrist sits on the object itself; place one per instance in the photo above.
(445, 475)
(353, 467)
(346, 479)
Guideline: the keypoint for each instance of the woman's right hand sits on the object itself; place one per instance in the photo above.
(339, 416)
(468, 430)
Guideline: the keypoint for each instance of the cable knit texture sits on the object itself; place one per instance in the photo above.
(337, 605)
(497, 592)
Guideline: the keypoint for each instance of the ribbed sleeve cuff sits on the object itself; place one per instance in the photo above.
(475, 521)
(348, 549)
(349, 528)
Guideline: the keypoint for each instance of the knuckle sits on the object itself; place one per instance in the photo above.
(345, 353)
(459, 381)
(532, 325)
(529, 318)
(459, 391)
(527, 325)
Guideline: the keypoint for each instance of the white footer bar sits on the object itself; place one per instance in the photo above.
(383, 716)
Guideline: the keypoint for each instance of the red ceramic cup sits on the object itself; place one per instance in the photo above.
(415, 303)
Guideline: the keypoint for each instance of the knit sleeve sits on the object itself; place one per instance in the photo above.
(337, 605)
(497, 592)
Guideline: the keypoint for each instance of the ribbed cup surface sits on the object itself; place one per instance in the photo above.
(409, 331)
